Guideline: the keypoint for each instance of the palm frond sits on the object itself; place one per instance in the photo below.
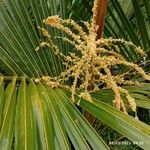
(35, 116)
(20, 36)
(43, 118)
(131, 21)
(46, 118)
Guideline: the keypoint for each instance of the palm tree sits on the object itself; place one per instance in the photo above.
(34, 115)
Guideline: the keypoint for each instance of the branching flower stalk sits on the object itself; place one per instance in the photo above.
(93, 64)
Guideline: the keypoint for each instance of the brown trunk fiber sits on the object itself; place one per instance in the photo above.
(101, 14)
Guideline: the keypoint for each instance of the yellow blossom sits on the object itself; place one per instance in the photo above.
(93, 61)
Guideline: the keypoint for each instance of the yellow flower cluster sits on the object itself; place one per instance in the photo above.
(92, 67)
(52, 82)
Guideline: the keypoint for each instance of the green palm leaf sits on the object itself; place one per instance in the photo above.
(7, 125)
(130, 20)
(25, 123)
(126, 125)
(44, 116)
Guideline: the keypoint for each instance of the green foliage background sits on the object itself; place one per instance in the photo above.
(33, 116)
